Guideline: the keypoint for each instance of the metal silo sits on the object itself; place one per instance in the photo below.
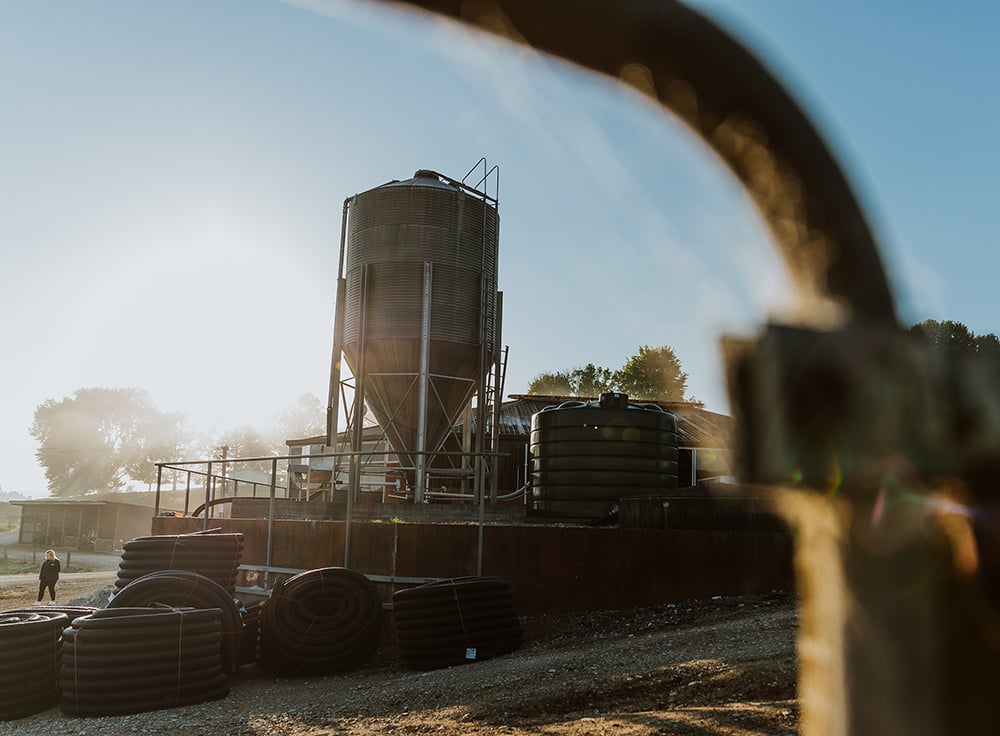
(419, 306)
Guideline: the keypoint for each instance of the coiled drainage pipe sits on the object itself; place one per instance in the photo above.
(132, 660)
(29, 661)
(180, 588)
(455, 621)
(214, 555)
(319, 621)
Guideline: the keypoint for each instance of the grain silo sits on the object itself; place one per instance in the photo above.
(418, 309)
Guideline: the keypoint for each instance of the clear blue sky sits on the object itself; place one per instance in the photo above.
(173, 174)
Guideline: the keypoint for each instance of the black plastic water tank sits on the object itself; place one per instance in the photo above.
(584, 456)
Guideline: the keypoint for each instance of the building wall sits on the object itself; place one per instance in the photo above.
(85, 526)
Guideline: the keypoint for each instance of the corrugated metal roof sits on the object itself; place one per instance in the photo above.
(369, 433)
(60, 502)
(696, 426)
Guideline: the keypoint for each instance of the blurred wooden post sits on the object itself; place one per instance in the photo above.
(897, 634)
(894, 454)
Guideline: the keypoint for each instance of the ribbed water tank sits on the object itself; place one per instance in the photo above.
(585, 456)
(394, 230)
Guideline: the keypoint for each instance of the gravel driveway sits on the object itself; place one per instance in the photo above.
(722, 667)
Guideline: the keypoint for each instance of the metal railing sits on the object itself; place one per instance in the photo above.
(212, 478)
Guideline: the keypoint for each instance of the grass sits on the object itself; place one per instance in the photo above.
(10, 517)
(17, 567)
(21, 567)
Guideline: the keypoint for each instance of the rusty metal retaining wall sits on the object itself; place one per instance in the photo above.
(257, 508)
(550, 568)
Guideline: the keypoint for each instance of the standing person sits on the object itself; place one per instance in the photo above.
(47, 577)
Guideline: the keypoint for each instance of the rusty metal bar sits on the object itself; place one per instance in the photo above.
(270, 521)
(420, 475)
(354, 482)
(333, 395)
(159, 478)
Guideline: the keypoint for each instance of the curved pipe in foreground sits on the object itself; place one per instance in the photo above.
(737, 107)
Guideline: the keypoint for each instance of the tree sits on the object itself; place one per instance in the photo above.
(163, 437)
(98, 439)
(305, 418)
(591, 380)
(653, 373)
(955, 337)
(551, 384)
(244, 441)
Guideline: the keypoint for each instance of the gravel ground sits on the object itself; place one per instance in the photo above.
(724, 666)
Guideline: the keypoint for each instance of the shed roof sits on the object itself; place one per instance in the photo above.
(74, 502)
(368, 432)
(696, 426)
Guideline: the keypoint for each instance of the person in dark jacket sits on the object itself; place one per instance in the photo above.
(47, 577)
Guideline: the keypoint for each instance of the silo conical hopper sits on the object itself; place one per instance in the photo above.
(393, 231)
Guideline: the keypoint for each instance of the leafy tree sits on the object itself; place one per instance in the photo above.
(164, 437)
(953, 336)
(97, 439)
(653, 373)
(244, 441)
(305, 418)
(591, 380)
(551, 384)
(988, 344)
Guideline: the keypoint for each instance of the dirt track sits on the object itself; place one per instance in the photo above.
(20, 590)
